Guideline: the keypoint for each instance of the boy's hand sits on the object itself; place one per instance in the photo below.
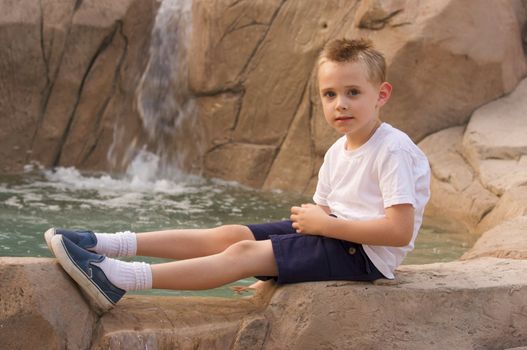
(309, 219)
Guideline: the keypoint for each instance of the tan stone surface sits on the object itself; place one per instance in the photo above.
(441, 68)
(495, 143)
(294, 166)
(511, 205)
(499, 175)
(23, 77)
(219, 117)
(141, 322)
(480, 180)
(458, 201)
(477, 304)
(244, 163)
(507, 240)
(225, 37)
(41, 308)
(496, 130)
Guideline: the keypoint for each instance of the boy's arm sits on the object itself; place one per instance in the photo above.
(395, 229)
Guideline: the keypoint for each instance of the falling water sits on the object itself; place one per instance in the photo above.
(165, 105)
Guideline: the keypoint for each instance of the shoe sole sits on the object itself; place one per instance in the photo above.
(48, 235)
(95, 295)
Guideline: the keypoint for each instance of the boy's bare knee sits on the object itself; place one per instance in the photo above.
(254, 258)
(236, 229)
(230, 234)
(240, 248)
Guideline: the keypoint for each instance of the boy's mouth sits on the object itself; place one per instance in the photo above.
(344, 117)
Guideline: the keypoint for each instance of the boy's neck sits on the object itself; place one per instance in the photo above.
(354, 142)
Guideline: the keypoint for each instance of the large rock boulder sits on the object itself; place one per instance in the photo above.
(41, 307)
(477, 304)
(512, 204)
(142, 322)
(479, 172)
(495, 143)
(507, 240)
(458, 200)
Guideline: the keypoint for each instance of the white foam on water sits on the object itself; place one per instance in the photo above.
(51, 208)
(139, 189)
(140, 177)
(32, 197)
(13, 202)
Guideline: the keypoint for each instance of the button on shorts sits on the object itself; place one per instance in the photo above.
(308, 258)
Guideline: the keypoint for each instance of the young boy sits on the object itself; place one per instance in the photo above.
(370, 197)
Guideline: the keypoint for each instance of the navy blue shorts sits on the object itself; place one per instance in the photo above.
(307, 258)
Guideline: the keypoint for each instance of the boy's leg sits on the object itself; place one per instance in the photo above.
(187, 244)
(240, 260)
(171, 244)
(106, 280)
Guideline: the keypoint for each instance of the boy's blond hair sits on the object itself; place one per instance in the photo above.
(361, 50)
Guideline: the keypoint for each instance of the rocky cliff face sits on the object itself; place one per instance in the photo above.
(68, 73)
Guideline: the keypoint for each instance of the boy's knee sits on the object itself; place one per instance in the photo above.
(253, 258)
(234, 233)
(234, 228)
(240, 248)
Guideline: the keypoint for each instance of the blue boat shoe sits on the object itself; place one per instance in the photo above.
(81, 265)
(84, 239)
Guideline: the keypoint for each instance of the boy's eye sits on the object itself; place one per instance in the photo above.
(353, 92)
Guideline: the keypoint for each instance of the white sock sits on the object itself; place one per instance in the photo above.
(127, 275)
(120, 244)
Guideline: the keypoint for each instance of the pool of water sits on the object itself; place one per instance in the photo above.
(39, 199)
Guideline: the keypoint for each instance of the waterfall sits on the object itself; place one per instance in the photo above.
(164, 102)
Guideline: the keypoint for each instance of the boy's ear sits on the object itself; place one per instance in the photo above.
(385, 91)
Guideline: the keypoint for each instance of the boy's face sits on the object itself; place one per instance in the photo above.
(351, 102)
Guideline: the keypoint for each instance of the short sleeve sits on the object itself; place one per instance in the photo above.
(397, 178)
(323, 187)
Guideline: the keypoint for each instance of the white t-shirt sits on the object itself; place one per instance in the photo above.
(359, 184)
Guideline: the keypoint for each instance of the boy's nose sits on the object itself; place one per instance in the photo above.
(342, 105)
